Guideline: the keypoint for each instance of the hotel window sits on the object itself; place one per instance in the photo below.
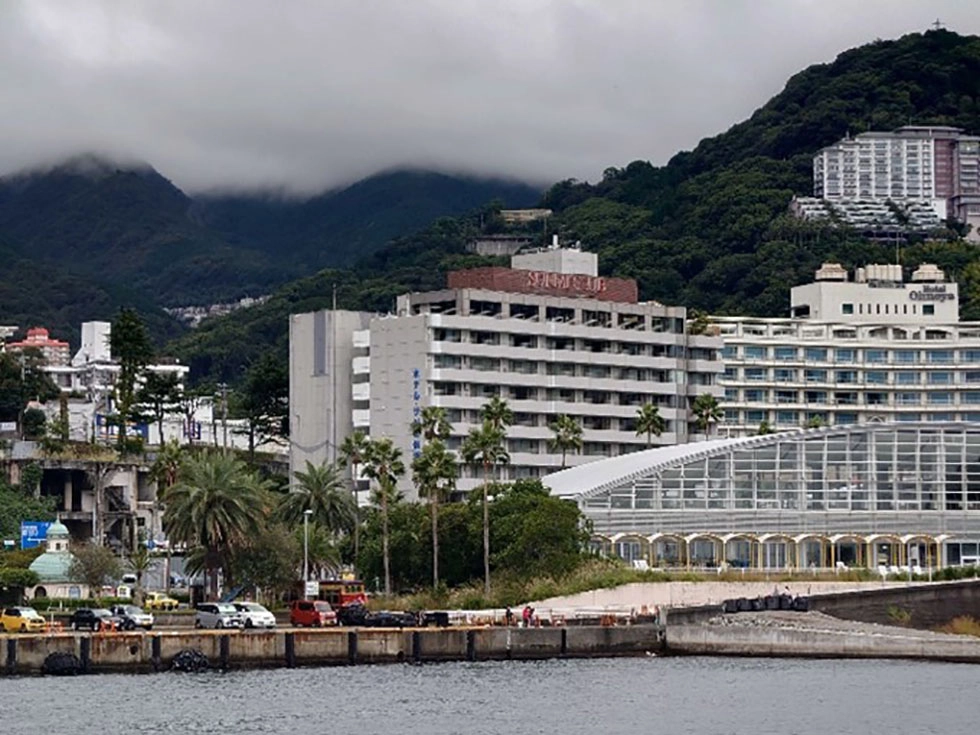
(755, 395)
(815, 376)
(875, 356)
(755, 374)
(842, 419)
(908, 399)
(906, 356)
(785, 375)
(846, 376)
(971, 376)
(939, 356)
(842, 355)
(731, 394)
(754, 352)
(940, 399)
(729, 352)
(816, 354)
(785, 396)
(970, 355)
(971, 397)
(731, 416)
(816, 396)
(785, 353)
(847, 308)
(928, 310)
(935, 378)
(909, 378)
(755, 417)
(909, 417)
(876, 377)
(785, 418)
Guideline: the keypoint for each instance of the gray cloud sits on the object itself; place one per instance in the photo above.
(305, 95)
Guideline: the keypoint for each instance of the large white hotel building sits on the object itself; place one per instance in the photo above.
(873, 349)
(548, 335)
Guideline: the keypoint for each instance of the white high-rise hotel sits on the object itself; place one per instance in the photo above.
(548, 335)
(873, 349)
(936, 164)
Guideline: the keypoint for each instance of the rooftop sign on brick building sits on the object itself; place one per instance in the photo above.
(546, 283)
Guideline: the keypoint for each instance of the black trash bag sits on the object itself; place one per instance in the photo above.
(744, 604)
(730, 606)
(61, 663)
(190, 659)
(785, 602)
(758, 604)
(772, 602)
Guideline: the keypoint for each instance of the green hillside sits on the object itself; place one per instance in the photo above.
(710, 229)
(126, 229)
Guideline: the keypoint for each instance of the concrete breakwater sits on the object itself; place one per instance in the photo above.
(815, 635)
(137, 652)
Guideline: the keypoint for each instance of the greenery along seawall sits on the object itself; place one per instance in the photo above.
(135, 652)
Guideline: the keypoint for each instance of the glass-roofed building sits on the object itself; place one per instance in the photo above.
(896, 497)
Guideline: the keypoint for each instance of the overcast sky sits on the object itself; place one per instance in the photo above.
(306, 95)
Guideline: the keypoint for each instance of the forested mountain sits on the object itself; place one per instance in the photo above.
(92, 234)
(710, 229)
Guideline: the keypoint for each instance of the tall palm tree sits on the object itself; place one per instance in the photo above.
(649, 422)
(432, 424)
(497, 413)
(706, 412)
(164, 472)
(567, 436)
(320, 489)
(354, 451)
(384, 465)
(217, 504)
(434, 473)
(485, 446)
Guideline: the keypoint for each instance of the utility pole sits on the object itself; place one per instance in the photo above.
(223, 387)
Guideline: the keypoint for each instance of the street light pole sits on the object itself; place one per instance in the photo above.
(306, 550)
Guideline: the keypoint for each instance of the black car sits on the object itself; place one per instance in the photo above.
(357, 614)
(98, 618)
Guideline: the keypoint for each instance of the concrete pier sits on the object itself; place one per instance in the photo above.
(139, 652)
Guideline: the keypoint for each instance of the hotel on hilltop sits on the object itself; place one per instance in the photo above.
(548, 335)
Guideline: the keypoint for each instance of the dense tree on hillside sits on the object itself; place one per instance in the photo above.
(132, 350)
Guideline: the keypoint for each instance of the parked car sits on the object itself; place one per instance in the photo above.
(94, 619)
(255, 615)
(159, 601)
(217, 615)
(357, 614)
(21, 620)
(133, 617)
(311, 613)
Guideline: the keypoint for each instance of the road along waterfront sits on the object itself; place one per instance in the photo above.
(699, 695)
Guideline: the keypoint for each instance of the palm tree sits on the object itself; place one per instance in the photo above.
(165, 473)
(434, 473)
(432, 424)
(139, 563)
(567, 435)
(384, 465)
(485, 446)
(319, 489)
(354, 451)
(497, 413)
(649, 422)
(217, 504)
(706, 412)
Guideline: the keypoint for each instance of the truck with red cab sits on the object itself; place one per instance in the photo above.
(311, 614)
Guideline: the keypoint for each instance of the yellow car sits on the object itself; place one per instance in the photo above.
(21, 620)
(159, 601)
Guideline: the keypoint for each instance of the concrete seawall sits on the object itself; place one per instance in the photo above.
(713, 640)
(136, 652)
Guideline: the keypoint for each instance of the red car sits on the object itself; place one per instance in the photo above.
(311, 613)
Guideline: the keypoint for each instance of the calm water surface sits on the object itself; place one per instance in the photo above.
(650, 695)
